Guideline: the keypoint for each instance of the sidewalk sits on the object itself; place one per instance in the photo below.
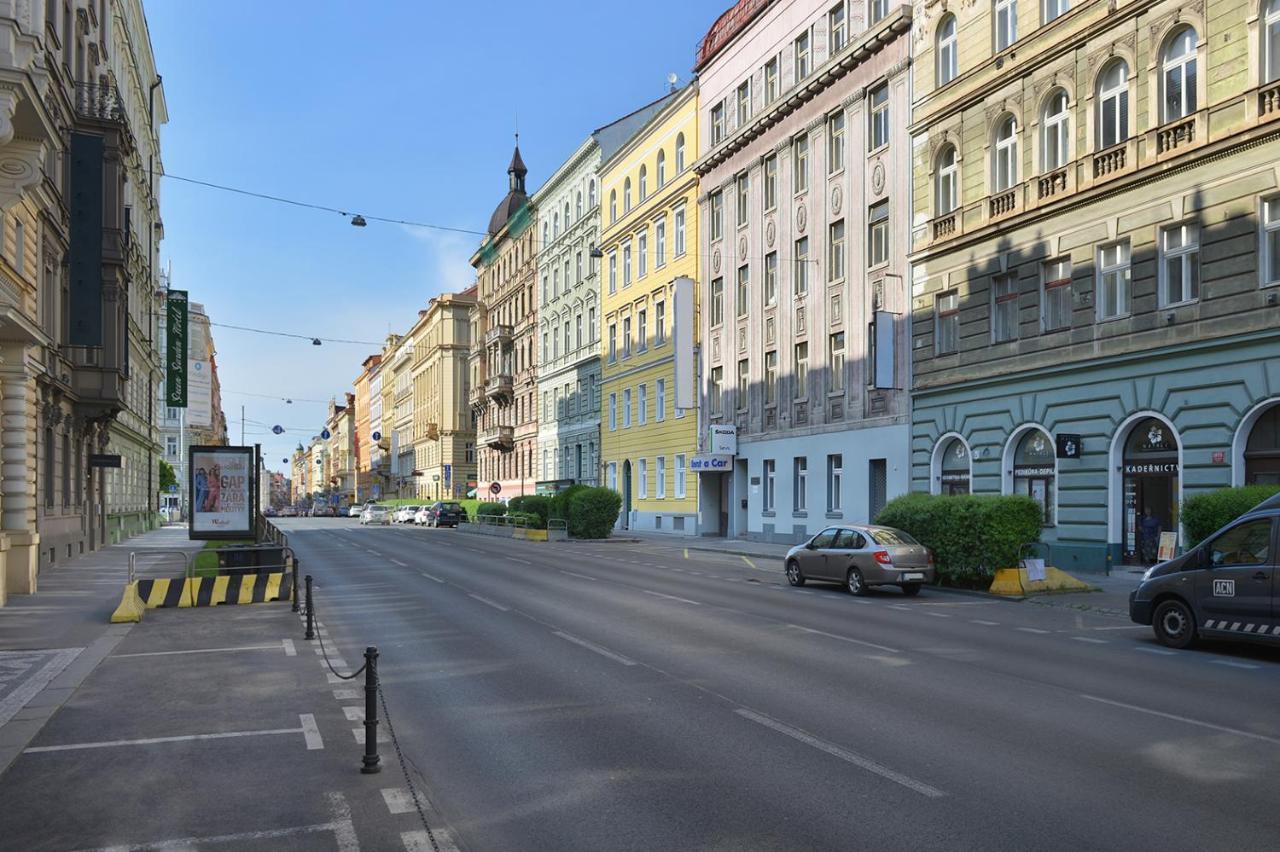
(1111, 595)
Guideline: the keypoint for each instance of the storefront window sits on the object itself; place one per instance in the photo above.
(955, 468)
(1034, 469)
(1151, 473)
(1262, 453)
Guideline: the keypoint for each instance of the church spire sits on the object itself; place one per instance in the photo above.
(516, 171)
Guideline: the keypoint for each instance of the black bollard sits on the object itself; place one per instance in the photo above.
(371, 759)
(311, 626)
(294, 571)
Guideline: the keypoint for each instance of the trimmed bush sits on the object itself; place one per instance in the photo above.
(560, 502)
(532, 504)
(529, 520)
(1204, 514)
(970, 536)
(496, 509)
(593, 512)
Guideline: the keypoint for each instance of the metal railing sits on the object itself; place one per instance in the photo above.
(94, 100)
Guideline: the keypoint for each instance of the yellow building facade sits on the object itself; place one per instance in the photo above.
(649, 236)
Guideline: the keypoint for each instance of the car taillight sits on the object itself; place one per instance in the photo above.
(883, 557)
(930, 552)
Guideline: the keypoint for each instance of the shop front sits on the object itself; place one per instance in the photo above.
(1149, 488)
(954, 467)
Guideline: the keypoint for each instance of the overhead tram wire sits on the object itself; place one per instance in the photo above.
(310, 337)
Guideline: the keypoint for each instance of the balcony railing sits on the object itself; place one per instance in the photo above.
(1051, 184)
(497, 437)
(1174, 134)
(1003, 203)
(1269, 100)
(100, 102)
(944, 226)
(499, 386)
(498, 334)
(1109, 161)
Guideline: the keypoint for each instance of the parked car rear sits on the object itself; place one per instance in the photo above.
(442, 514)
(375, 514)
(860, 557)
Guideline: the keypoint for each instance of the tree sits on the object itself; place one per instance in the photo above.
(167, 476)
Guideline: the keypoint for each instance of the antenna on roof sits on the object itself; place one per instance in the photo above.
(671, 80)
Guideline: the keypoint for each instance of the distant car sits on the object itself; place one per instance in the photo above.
(288, 512)
(441, 514)
(860, 557)
(375, 514)
(355, 511)
(404, 515)
(269, 512)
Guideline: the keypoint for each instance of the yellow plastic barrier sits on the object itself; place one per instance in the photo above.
(1013, 582)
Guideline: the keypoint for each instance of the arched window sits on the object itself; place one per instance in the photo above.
(555, 225)
(1150, 472)
(567, 220)
(679, 153)
(1034, 469)
(946, 195)
(1179, 75)
(1262, 452)
(661, 176)
(1113, 104)
(546, 234)
(644, 183)
(1055, 131)
(948, 63)
(613, 206)
(954, 471)
(578, 206)
(626, 195)
(1271, 42)
(1004, 166)
(591, 194)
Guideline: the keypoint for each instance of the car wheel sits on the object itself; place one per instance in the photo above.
(854, 583)
(911, 589)
(1174, 624)
(794, 577)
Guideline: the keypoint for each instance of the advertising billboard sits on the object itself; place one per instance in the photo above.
(199, 393)
(221, 489)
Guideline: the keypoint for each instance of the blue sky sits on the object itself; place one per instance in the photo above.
(392, 108)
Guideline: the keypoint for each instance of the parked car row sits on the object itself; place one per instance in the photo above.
(438, 514)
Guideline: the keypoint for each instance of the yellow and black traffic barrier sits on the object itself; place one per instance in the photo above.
(212, 591)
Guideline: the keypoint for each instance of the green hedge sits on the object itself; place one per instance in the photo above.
(559, 507)
(497, 509)
(593, 512)
(1206, 513)
(531, 504)
(971, 535)
(528, 520)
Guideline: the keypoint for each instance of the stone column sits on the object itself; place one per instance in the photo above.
(18, 470)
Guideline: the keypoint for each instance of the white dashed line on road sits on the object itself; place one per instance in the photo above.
(938, 614)
(671, 597)
(579, 576)
(521, 561)
(1035, 630)
(488, 602)
(430, 577)
(1090, 639)
(382, 737)
(1234, 664)
(984, 623)
(398, 800)
(398, 562)
(1236, 731)
(591, 646)
(1161, 651)
(844, 638)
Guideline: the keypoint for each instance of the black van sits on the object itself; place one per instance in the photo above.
(1226, 587)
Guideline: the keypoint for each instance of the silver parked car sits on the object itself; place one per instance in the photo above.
(860, 557)
(375, 514)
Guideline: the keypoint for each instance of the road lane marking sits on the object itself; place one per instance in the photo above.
(670, 597)
(340, 829)
(521, 561)
(430, 577)
(420, 841)
(686, 553)
(1035, 630)
(382, 735)
(353, 714)
(178, 739)
(290, 650)
(575, 574)
(398, 562)
(493, 604)
(844, 754)
(986, 623)
(591, 646)
(1176, 718)
(347, 694)
(1161, 651)
(398, 800)
(749, 562)
(1234, 664)
(196, 651)
(937, 614)
(1090, 639)
(844, 638)
(311, 732)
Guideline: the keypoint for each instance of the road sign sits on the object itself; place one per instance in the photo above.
(448, 473)
(325, 434)
(173, 489)
(279, 430)
(495, 487)
(104, 460)
(377, 436)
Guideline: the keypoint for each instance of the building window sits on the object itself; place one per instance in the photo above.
(644, 183)
(1271, 240)
(801, 390)
(717, 301)
(744, 102)
(679, 220)
(661, 175)
(680, 476)
(946, 196)
(613, 272)
(770, 377)
(577, 336)
(171, 446)
(744, 384)
(1056, 275)
(800, 483)
(836, 21)
(770, 483)
(626, 407)
(679, 153)
(744, 285)
(626, 337)
(642, 330)
(660, 401)
(802, 266)
(771, 278)
(717, 390)
(835, 251)
(642, 403)
(946, 322)
(1271, 43)
(613, 412)
(626, 264)
(1179, 75)
(1034, 470)
(879, 8)
(1113, 280)
(800, 163)
(953, 467)
(591, 324)
(1055, 9)
(642, 477)
(802, 55)
(878, 134)
(835, 478)
(717, 123)
(613, 342)
(1179, 264)
(770, 80)
(613, 206)
(1006, 23)
(742, 199)
(660, 243)
(660, 480)
(642, 254)
(1113, 105)
(770, 182)
(835, 142)
(878, 234)
(1004, 308)
(716, 203)
(835, 356)
(1056, 131)
(1004, 167)
(660, 323)
(611, 475)
(947, 64)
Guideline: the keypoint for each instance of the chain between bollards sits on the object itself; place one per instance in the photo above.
(371, 759)
(311, 624)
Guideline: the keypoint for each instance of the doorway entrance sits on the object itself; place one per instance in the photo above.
(1151, 472)
(626, 495)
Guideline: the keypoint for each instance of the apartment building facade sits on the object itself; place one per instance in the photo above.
(364, 442)
(1096, 238)
(443, 432)
(805, 210)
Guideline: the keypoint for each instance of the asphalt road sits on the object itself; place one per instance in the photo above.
(638, 696)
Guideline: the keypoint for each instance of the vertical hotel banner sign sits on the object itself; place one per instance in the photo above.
(175, 357)
(221, 492)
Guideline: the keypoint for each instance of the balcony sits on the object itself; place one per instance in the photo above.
(1002, 204)
(1269, 101)
(102, 103)
(476, 397)
(433, 432)
(497, 437)
(499, 387)
(498, 334)
(944, 226)
(1176, 134)
(1110, 161)
(1052, 183)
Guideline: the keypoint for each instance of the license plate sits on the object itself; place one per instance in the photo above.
(915, 575)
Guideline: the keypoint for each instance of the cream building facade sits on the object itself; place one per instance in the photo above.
(443, 430)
